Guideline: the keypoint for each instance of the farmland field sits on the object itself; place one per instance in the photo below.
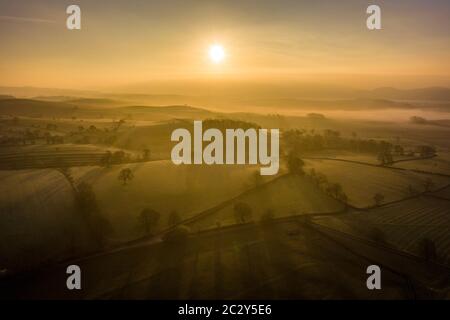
(227, 150)
(444, 193)
(286, 196)
(44, 156)
(282, 261)
(370, 158)
(161, 186)
(403, 225)
(37, 218)
(361, 182)
(438, 164)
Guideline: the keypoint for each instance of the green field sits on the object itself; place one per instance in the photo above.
(37, 218)
(281, 261)
(362, 182)
(403, 225)
(286, 196)
(439, 164)
(164, 187)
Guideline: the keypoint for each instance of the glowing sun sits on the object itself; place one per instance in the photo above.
(216, 53)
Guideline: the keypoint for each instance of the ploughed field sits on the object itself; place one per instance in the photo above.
(52, 156)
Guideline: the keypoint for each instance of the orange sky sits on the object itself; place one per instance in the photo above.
(128, 44)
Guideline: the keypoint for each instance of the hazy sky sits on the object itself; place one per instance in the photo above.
(126, 44)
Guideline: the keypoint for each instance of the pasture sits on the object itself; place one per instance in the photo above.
(362, 182)
(164, 187)
(403, 225)
(37, 218)
(286, 196)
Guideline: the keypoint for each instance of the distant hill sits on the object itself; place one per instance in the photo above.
(423, 94)
(39, 108)
(96, 102)
(343, 104)
(29, 92)
(34, 108)
(163, 108)
(6, 97)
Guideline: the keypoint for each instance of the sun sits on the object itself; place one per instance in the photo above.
(216, 53)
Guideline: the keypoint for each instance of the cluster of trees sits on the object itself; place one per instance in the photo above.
(426, 151)
(428, 185)
(87, 209)
(117, 157)
(92, 134)
(295, 164)
(223, 124)
(243, 213)
(53, 139)
(334, 190)
(29, 136)
(149, 219)
(301, 141)
(385, 156)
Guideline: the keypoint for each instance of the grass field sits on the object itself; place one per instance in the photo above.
(283, 261)
(403, 225)
(361, 182)
(37, 218)
(38, 221)
(164, 187)
(438, 164)
(288, 195)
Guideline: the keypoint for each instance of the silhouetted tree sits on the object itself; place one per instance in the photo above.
(146, 154)
(125, 175)
(174, 218)
(242, 212)
(399, 150)
(267, 216)
(149, 219)
(87, 207)
(107, 159)
(426, 151)
(295, 164)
